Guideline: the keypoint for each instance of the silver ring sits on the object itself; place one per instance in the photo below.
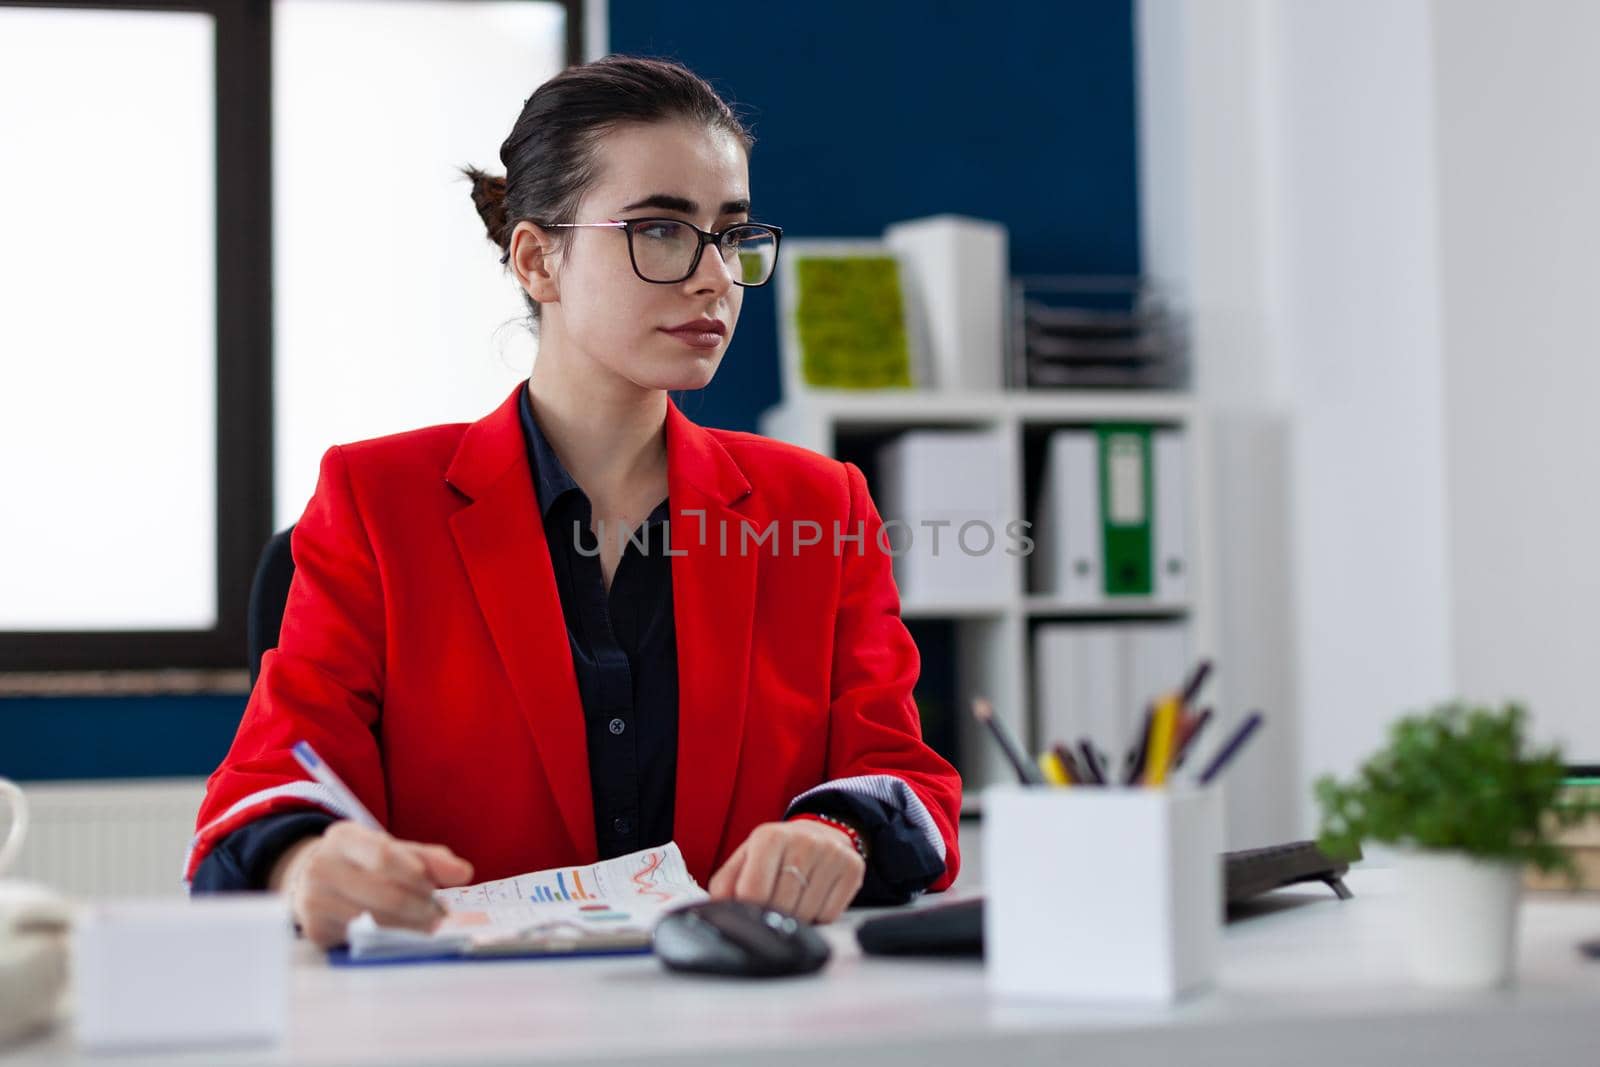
(789, 868)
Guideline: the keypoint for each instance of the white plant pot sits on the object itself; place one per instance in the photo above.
(1460, 917)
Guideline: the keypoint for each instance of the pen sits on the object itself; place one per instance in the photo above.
(1026, 773)
(1196, 680)
(1229, 750)
(1091, 762)
(1137, 756)
(307, 757)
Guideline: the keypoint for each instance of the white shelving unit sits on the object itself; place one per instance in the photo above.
(992, 656)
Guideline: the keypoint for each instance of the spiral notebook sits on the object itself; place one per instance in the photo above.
(603, 908)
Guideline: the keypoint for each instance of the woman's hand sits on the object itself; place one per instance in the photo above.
(350, 869)
(806, 868)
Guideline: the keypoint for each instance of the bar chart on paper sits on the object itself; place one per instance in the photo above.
(614, 903)
(653, 875)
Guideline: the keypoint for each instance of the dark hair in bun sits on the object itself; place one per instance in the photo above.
(550, 156)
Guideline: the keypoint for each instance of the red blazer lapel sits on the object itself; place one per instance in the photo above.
(501, 540)
(713, 600)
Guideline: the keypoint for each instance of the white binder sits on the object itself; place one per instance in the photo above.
(1077, 684)
(1068, 555)
(1169, 527)
(946, 477)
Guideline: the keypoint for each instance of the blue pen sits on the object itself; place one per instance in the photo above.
(307, 757)
(1229, 750)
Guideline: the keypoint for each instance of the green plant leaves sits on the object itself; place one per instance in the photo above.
(1457, 777)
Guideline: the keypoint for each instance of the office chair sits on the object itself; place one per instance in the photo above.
(268, 593)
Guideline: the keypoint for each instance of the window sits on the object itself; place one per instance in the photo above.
(137, 197)
(387, 293)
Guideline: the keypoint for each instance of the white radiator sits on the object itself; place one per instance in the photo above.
(109, 838)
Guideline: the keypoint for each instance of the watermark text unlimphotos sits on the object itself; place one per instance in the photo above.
(893, 537)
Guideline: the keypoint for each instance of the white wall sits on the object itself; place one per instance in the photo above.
(1291, 194)
(1519, 209)
(1362, 344)
(1206, 179)
(1382, 214)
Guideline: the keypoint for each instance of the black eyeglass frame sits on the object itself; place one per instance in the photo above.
(706, 237)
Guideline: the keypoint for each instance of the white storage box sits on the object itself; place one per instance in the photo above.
(208, 971)
(957, 273)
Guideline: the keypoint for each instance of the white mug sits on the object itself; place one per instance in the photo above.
(19, 822)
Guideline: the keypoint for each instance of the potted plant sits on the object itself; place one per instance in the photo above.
(1467, 805)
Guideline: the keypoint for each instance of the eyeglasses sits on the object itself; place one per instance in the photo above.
(667, 251)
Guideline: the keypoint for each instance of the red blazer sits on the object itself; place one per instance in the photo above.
(424, 653)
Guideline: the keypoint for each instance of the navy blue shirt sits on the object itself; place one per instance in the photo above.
(624, 654)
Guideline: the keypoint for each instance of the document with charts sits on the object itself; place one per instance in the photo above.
(610, 906)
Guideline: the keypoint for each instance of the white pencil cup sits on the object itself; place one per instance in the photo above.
(1102, 893)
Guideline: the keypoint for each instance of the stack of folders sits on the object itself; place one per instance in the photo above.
(1094, 680)
(945, 513)
(1111, 518)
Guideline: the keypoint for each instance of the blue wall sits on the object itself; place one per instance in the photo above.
(115, 737)
(868, 113)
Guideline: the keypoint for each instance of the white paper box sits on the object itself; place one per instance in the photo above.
(957, 272)
(1106, 894)
(169, 973)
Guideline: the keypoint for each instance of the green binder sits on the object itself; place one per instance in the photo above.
(1126, 502)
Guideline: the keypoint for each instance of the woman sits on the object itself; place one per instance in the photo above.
(583, 625)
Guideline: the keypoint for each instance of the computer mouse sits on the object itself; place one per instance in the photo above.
(738, 938)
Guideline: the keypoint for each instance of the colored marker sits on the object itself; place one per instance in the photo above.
(1231, 749)
(1162, 732)
(1192, 688)
(1027, 774)
(1091, 762)
(1196, 723)
(1141, 752)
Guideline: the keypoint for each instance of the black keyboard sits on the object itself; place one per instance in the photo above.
(956, 929)
(1253, 871)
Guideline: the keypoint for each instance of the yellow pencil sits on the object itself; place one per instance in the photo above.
(1054, 772)
(1162, 729)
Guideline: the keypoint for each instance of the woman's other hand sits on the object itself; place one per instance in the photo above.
(806, 868)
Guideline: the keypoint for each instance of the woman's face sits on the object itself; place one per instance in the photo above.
(602, 309)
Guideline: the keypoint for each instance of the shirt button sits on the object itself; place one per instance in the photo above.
(617, 726)
(621, 826)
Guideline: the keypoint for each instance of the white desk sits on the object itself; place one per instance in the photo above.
(1314, 982)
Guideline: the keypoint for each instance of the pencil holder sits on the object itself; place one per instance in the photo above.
(1102, 893)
